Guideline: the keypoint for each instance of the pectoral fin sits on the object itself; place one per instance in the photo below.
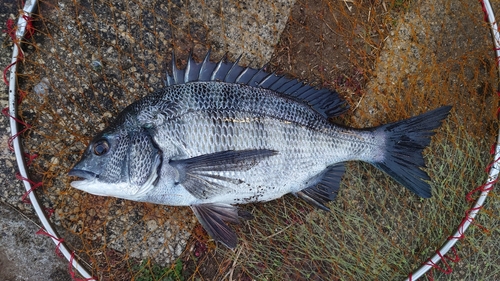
(213, 217)
(203, 176)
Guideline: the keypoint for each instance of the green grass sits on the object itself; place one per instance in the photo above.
(148, 271)
(376, 230)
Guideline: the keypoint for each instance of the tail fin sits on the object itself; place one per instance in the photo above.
(405, 141)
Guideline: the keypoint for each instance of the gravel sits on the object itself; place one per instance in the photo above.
(82, 75)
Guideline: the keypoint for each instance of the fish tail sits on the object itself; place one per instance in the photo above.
(405, 141)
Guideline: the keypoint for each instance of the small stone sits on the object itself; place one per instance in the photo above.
(97, 65)
(42, 88)
(151, 225)
(178, 250)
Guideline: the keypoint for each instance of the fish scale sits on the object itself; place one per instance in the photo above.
(221, 134)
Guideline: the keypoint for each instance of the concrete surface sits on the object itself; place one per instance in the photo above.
(18, 222)
(24, 255)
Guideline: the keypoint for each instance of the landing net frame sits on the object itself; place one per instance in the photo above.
(494, 169)
(48, 230)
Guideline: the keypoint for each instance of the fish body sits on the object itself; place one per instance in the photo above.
(221, 134)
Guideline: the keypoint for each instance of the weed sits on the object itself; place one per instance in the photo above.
(148, 271)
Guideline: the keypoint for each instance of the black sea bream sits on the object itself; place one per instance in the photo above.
(220, 134)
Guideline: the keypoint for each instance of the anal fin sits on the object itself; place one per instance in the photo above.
(325, 189)
(213, 218)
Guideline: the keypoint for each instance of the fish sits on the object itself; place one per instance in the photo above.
(219, 135)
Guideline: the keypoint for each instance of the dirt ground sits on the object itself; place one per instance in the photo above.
(354, 75)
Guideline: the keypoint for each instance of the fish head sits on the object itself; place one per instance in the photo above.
(119, 163)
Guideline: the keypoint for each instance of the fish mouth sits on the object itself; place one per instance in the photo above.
(87, 179)
(86, 175)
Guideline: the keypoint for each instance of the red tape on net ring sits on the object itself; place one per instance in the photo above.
(472, 221)
(11, 32)
(5, 70)
(30, 29)
(30, 158)
(27, 126)
(50, 212)
(481, 188)
(34, 185)
(22, 95)
(483, 7)
(11, 29)
(449, 269)
(430, 275)
(456, 259)
(58, 252)
(489, 185)
(72, 273)
(461, 229)
(59, 240)
(488, 168)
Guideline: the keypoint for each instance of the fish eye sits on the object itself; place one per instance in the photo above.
(101, 147)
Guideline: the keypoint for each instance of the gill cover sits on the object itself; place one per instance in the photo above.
(120, 164)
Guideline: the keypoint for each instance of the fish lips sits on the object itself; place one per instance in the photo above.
(88, 181)
(87, 175)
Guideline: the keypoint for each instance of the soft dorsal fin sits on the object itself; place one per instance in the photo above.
(326, 102)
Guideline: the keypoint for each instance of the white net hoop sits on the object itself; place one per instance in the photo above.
(69, 255)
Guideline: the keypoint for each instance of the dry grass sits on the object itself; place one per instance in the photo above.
(390, 60)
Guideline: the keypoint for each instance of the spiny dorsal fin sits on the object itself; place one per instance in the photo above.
(326, 102)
